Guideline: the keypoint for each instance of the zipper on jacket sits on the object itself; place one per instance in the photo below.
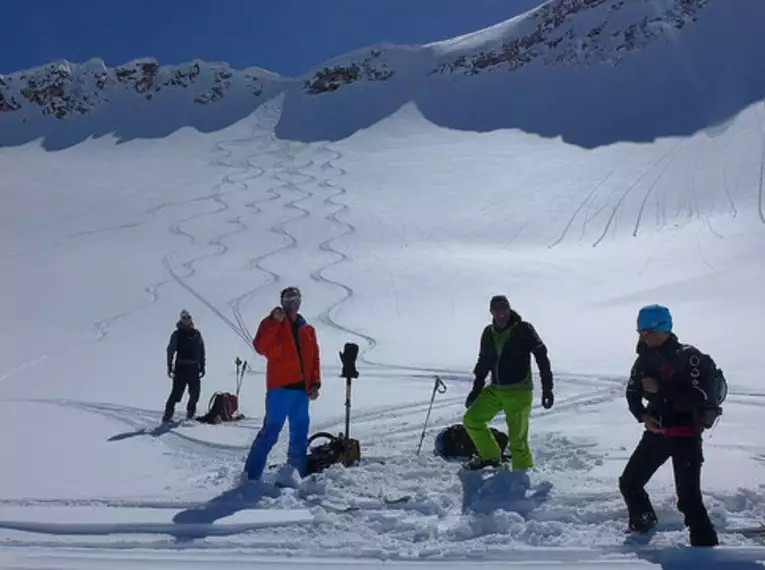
(496, 381)
(295, 333)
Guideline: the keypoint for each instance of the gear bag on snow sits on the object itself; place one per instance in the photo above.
(454, 442)
(223, 407)
(337, 450)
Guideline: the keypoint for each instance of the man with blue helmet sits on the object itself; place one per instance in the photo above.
(673, 378)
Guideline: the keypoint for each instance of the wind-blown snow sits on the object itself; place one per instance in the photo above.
(398, 233)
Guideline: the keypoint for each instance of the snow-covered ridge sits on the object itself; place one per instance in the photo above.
(559, 31)
(62, 89)
(568, 31)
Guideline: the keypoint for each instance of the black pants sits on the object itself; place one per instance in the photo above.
(185, 376)
(686, 453)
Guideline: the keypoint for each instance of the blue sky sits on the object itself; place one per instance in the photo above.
(285, 36)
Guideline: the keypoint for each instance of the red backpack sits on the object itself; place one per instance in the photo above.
(223, 407)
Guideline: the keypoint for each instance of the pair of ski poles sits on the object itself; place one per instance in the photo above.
(440, 388)
(240, 375)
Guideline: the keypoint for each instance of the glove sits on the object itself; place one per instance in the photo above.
(547, 399)
(313, 393)
(170, 373)
(473, 395)
(348, 358)
(201, 372)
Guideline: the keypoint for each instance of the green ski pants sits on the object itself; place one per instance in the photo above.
(517, 407)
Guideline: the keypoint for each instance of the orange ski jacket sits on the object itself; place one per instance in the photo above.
(285, 364)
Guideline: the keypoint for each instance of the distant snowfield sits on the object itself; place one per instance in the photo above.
(398, 236)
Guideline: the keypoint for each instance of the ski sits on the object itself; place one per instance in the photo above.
(749, 532)
(757, 531)
(371, 504)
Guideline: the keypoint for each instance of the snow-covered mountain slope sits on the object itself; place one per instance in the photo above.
(593, 72)
(67, 102)
(398, 235)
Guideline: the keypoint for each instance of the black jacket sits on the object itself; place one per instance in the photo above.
(683, 373)
(189, 345)
(513, 366)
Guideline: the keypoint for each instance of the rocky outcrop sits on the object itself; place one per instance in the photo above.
(579, 31)
(65, 89)
(561, 32)
(331, 78)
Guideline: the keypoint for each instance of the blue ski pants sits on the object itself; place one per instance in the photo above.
(281, 404)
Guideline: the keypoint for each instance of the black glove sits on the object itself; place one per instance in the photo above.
(477, 387)
(547, 399)
(348, 358)
(201, 372)
(169, 371)
(472, 397)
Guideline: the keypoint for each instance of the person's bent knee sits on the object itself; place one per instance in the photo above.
(625, 484)
(469, 420)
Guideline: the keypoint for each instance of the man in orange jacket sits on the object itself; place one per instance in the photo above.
(292, 378)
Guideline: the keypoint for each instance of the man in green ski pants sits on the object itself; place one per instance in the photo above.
(506, 348)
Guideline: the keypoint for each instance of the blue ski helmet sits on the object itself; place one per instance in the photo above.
(655, 318)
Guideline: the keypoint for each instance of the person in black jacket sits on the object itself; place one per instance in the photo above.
(185, 365)
(505, 351)
(673, 379)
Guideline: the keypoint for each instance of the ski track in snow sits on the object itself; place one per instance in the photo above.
(662, 166)
(612, 218)
(102, 327)
(280, 228)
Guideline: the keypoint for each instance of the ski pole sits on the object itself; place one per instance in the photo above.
(238, 362)
(439, 387)
(240, 378)
(347, 410)
(349, 371)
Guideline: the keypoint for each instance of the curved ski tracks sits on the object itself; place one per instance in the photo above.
(232, 182)
(249, 172)
(279, 228)
(326, 246)
(326, 316)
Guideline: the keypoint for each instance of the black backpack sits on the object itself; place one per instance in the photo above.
(717, 391)
(453, 442)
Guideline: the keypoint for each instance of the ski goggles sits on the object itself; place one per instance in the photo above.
(291, 300)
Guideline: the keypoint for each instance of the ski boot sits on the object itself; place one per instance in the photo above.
(703, 536)
(476, 463)
(643, 524)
